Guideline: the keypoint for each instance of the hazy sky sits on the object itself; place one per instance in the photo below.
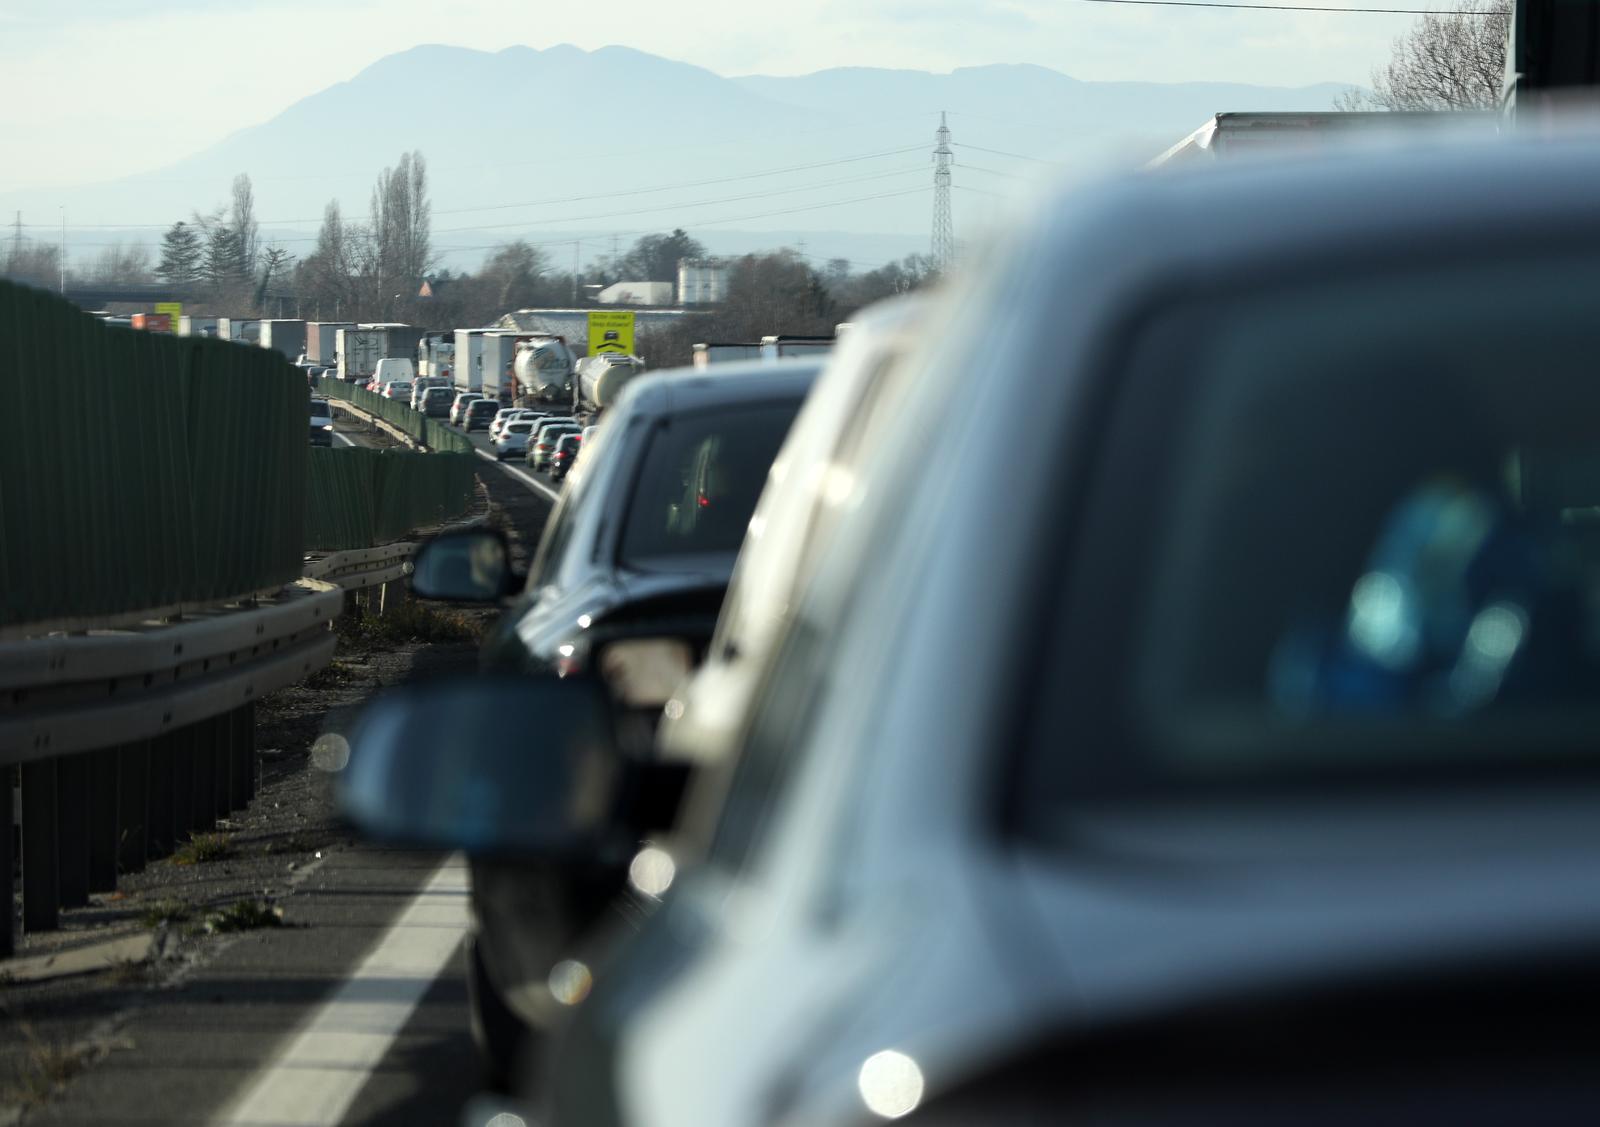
(91, 90)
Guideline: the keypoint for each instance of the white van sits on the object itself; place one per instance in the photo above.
(393, 370)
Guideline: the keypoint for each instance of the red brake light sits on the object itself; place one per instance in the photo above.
(705, 502)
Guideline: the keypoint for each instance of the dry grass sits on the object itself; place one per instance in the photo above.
(44, 1070)
(244, 915)
(202, 849)
(410, 621)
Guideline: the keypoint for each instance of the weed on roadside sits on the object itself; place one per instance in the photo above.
(202, 849)
(336, 675)
(160, 912)
(244, 915)
(44, 1070)
(410, 621)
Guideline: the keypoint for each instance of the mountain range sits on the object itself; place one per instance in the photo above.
(563, 145)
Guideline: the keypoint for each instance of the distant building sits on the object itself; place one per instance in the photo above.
(572, 325)
(702, 281)
(636, 293)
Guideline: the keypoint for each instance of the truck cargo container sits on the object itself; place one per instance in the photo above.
(197, 326)
(153, 322)
(724, 352)
(781, 347)
(322, 340)
(469, 359)
(359, 353)
(400, 340)
(436, 354)
(246, 329)
(287, 336)
(1228, 136)
(499, 361)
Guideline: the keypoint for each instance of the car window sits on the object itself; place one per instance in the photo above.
(519, 428)
(1353, 530)
(701, 476)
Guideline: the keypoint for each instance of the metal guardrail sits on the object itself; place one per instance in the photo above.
(363, 567)
(179, 702)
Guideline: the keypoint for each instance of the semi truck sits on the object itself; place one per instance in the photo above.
(497, 364)
(322, 340)
(189, 326)
(544, 367)
(469, 359)
(362, 347)
(287, 336)
(778, 347)
(436, 354)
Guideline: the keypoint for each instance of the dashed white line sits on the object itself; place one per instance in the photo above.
(313, 1081)
(344, 438)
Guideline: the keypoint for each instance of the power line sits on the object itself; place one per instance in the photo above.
(968, 167)
(562, 199)
(1296, 7)
(1003, 153)
(687, 203)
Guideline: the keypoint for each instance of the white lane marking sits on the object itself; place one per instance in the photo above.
(344, 438)
(313, 1081)
(527, 479)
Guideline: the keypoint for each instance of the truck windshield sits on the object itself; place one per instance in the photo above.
(699, 483)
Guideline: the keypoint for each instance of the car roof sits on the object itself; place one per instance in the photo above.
(1232, 216)
(694, 389)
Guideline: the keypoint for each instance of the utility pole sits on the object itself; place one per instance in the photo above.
(575, 247)
(944, 230)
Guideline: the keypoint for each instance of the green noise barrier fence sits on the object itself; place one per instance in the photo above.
(430, 432)
(141, 470)
(361, 498)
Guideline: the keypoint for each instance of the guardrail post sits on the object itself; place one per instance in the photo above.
(204, 816)
(40, 887)
(159, 837)
(133, 806)
(72, 826)
(8, 864)
(221, 740)
(182, 786)
(104, 819)
(243, 743)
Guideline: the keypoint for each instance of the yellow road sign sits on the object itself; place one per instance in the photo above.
(611, 332)
(173, 309)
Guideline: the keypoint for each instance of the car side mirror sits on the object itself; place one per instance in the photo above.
(469, 566)
(494, 765)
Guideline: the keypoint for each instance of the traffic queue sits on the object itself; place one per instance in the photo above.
(1199, 725)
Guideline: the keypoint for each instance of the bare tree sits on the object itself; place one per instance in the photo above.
(1453, 61)
(121, 265)
(33, 263)
(247, 233)
(401, 226)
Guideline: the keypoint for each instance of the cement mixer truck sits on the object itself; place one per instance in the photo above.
(543, 368)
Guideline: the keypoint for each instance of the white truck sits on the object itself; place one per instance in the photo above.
(322, 340)
(436, 355)
(1227, 136)
(359, 353)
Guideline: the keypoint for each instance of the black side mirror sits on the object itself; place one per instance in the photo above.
(471, 566)
(498, 766)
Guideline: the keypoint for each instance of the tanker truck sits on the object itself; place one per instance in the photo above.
(601, 379)
(543, 368)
